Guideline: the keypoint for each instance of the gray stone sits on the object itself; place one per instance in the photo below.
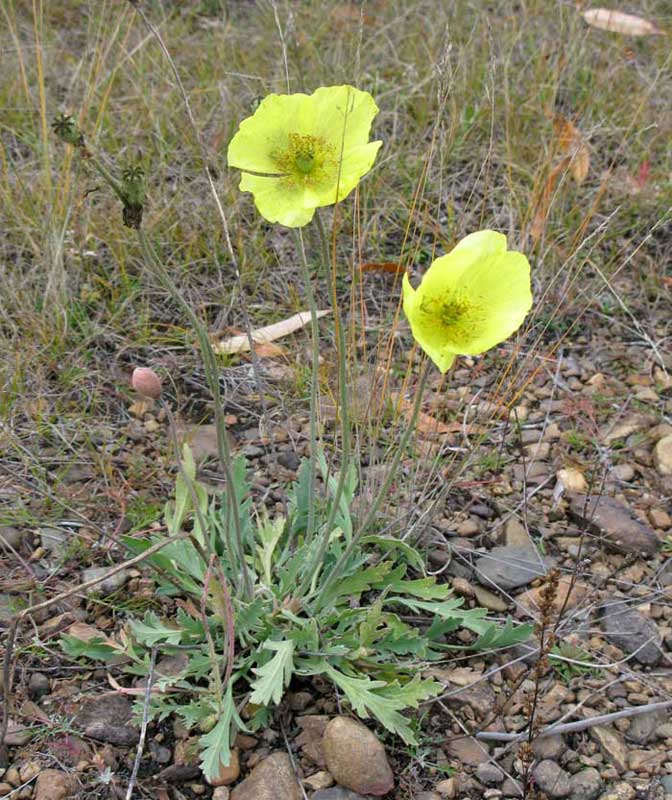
(336, 793)
(511, 788)
(489, 773)
(272, 779)
(299, 701)
(356, 758)
(552, 779)
(17, 734)
(612, 746)
(78, 473)
(664, 731)
(38, 685)
(54, 540)
(490, 600)
(160, 754)
(623, 472)
(619, 791)
(467, 750)
(289, 460)
(10, 536)
(510, 567)
(666, 781)
(9, 606)
(108, 719)
(447, 788)
(106, 585)
(586, 784)
(515, 534)
(615, 524)
(179, 773)
(632, 632)
(643, 727)
(310, 739)
(549, 747)
(525, 653)
(480, 697)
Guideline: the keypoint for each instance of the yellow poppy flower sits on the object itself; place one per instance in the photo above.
(469, 300)
(299, 151)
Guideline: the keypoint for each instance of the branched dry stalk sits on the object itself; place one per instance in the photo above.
(545, 630)
(143, 729)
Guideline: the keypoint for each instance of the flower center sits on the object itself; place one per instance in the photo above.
(451, 311)
(304, 162)
(460, 318)
(307, 159)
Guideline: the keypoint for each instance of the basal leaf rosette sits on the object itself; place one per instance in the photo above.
(299, 152)
(469, 300)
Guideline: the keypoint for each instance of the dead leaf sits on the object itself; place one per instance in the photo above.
(141, 407)
(202, 440)
(544, 202)
(350, 14)
(80, 630)
(34, 713)
(263, 349)
(572, 480)
(382, 266)
(269, 350)
(622, 428)
(189, 606)
(364, 402)
(573, 145)
(133, 691)
(458, 676)
(620, 22)
(643, 174)
(269, 333)
(426, 424)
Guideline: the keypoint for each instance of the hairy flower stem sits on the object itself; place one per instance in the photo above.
(154, 263)
(314, 369)
(384, 489)
(105, 174)
(313, 571)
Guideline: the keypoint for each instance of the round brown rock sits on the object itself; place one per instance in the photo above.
(272, 779)
(662, 456)
(52, 784)
(356, 758)
(228, 774)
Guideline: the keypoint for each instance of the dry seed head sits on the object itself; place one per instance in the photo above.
(146, 382)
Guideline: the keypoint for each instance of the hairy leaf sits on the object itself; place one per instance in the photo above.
(355, 584)
(269, 533)
(382, 700)
(216, 745)
(274, 676)
(95, 649)
(495, 636)
(150, 631)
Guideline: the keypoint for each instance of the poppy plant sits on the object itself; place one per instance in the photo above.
(469, 300)
(299, 151)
